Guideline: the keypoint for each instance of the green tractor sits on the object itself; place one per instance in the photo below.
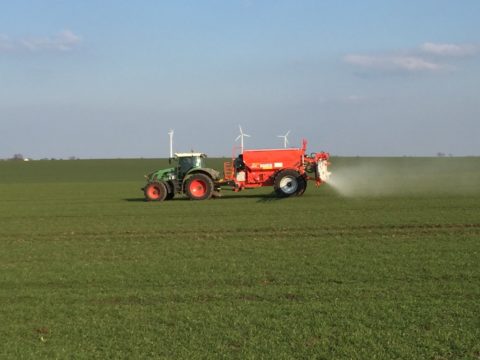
(189, 176)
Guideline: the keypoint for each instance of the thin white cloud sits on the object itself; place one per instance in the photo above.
(428, 57)
(348, 100)
(5, 43)
(65, 40)
(449, 49)
(392, 62)
(355, 99)
(413, 63)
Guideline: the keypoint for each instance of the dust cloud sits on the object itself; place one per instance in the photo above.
(401, 176)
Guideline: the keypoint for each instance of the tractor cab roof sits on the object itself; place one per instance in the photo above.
(190, 154)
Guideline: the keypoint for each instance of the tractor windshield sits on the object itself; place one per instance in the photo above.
(190, 162)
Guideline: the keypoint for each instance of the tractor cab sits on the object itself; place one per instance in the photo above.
(189, 161)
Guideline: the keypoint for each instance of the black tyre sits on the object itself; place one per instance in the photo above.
(155, 191)
(199, 187)
(287, 183)
(170, 190)
(302, 186)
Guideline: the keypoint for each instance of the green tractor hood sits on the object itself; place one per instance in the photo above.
(161, 175)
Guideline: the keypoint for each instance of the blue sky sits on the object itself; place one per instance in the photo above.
(109, 78)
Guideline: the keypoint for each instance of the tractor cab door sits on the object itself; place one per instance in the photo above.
(184, 164)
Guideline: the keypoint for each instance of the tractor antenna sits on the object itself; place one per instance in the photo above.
(241, 136)
(170, 134)
(285, 140)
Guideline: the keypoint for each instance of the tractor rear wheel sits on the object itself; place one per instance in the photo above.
(199, 187)
(287, 183)
(155, 191)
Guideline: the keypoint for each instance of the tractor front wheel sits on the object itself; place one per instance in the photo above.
(199, 187)
(155, 191)
(287, 183)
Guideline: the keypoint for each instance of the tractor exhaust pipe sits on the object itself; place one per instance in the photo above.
(170, 134)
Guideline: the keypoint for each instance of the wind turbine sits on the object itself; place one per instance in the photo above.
(170, 134)
(241, 136)
(285, 140)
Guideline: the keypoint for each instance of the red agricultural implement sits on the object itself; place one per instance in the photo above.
(287, 170)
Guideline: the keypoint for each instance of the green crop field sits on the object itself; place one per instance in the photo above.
(381, 264)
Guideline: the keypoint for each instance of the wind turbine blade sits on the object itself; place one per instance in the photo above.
(241, 131)
(246, 135)
(288, 132)
(238, 137)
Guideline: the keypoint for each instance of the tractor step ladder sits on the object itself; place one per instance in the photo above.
(227, 170)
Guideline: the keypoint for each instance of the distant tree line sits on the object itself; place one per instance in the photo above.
(20, 157)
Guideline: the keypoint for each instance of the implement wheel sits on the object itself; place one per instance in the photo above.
(287, 183)
(199, 187)
(155, 191)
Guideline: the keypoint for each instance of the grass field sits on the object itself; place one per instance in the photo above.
(386, 269)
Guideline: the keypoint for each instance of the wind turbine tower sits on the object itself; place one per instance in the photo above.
(170, 134)
(285, 140)
(241, 136)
